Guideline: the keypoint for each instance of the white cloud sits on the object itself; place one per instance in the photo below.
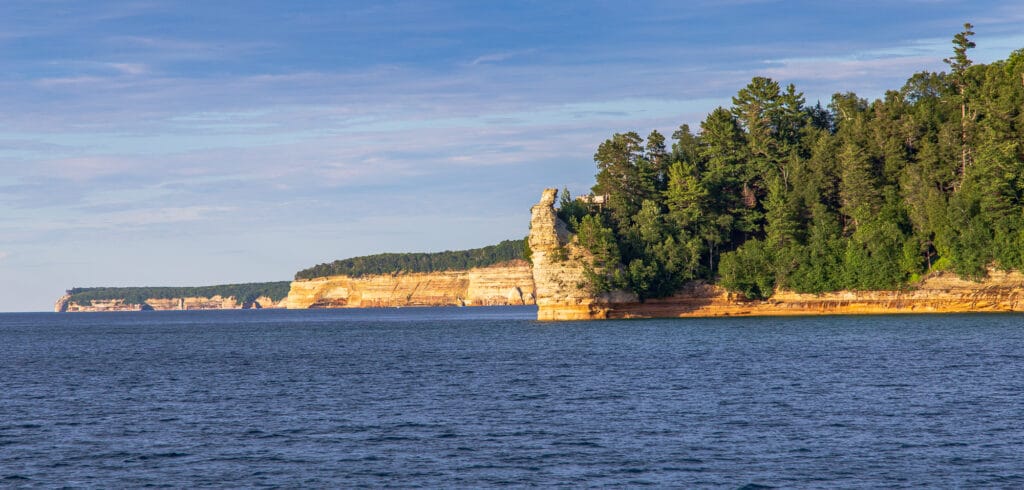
(157, 216)
(496, 57)
(167, 48)
(51, 82)
(86, 167)
(128, 219)
(844, 69)
(132, 69)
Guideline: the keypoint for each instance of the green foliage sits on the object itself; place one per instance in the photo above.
(392, 263)
(943, 264)
(570, 210)
(820, 264)
(961, 43)
(685, 195)
(602, 273)
(560, 254)
(749, 270)
(859, 195)
(243, 293)
(858, 188)
(626, 174)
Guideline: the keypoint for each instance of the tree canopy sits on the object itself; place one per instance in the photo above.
(391, 263)
(243, 293)
(858, 194)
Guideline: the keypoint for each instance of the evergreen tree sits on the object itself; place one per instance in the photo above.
(859, 195)
(623, 175)
(858, 188)
(958, 64)
(658, 156)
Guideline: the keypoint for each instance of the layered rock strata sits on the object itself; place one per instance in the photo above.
(558, 269)
(67, 304)
(510, 283)
(558, 276)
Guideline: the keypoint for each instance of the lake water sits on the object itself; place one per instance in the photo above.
(484, 397)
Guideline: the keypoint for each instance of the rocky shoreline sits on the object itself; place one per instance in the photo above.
(553, 280)
(558, 277)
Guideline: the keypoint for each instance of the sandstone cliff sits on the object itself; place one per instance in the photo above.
(558, 269)
(510, 283)
(67, 304)
(558, 276)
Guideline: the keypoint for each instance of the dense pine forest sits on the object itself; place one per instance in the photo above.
(137, 295)
(391, 263)
(859, 194)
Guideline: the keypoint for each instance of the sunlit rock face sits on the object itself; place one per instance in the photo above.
(67, 304)
(558, 269)
(558, 277)
(509, 283)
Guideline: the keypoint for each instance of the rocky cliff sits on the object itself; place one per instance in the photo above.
(558, 269)
(67, 304)
(510, 283)
(558, 277)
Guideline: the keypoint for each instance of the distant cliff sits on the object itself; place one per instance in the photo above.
(221, 297)
(558, 272)
(509, 283)
(67, 303)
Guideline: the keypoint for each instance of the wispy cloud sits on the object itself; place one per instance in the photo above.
(136, 124)
(158, 216)
(1001, 16)
(132, 219)
(133, 69)
(86, 168)
(497, 57)
(80, 81)
(162, 49)
(814, 69)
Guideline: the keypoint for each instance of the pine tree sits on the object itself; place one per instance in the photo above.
(958, 64)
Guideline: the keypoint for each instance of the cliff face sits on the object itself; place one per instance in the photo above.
(510, 283)
(558, 269)
(939, 293)
(67, 304)
(558, 275)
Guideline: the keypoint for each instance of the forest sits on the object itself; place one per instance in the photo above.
(855, 195)
(243, 293)
(392, 263)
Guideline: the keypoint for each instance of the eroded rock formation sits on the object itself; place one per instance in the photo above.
(558, 269)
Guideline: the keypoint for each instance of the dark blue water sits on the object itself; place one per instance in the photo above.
(486, 397)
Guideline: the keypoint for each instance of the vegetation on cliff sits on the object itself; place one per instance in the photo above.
(243, 293)
(857, 195)
(391, 263)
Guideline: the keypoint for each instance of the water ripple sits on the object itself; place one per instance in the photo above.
(487, 397)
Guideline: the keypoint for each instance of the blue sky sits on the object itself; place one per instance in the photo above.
(192, 143)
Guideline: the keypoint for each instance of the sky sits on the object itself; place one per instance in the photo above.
(168, 143)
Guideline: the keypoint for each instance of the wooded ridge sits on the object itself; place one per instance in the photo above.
(856, 195)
